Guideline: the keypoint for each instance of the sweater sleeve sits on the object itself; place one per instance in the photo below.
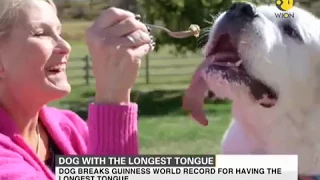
(110, 129)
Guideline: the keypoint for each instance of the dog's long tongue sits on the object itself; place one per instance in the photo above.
(194, 98)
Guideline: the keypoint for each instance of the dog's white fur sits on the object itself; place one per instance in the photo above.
(292, 69)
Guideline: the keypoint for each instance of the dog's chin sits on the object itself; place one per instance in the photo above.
(227, 76)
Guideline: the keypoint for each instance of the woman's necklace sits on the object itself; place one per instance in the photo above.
(38, 139)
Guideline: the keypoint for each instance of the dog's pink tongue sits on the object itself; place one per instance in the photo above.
(193, 99)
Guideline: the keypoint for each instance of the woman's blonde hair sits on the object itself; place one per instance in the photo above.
(9, 10)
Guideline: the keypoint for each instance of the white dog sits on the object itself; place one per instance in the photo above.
(270, 68)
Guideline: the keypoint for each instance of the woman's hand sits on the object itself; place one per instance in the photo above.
(117, 41)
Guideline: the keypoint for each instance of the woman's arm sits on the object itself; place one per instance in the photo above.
(117, 41)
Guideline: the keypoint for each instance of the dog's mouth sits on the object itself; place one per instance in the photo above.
(229, 64)
(223, 60)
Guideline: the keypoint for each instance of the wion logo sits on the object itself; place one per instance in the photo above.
(284, 5)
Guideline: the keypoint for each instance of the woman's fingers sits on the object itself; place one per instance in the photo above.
(125, 27)
(142, 50)
(133, 40)
(117, 41)
(111, 17)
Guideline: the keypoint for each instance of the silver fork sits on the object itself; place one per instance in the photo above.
(194, 30)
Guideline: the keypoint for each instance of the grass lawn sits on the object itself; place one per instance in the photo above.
(164, 128)
(178, 134)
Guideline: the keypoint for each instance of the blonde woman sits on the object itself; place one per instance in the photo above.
(33, 58)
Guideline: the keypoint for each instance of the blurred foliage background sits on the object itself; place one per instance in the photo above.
(174, 14)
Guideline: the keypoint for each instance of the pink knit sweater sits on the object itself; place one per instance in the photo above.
(110, 130)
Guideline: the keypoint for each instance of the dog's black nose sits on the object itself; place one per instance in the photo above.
(243, 9)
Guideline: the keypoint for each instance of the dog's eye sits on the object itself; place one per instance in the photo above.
(290, 31)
